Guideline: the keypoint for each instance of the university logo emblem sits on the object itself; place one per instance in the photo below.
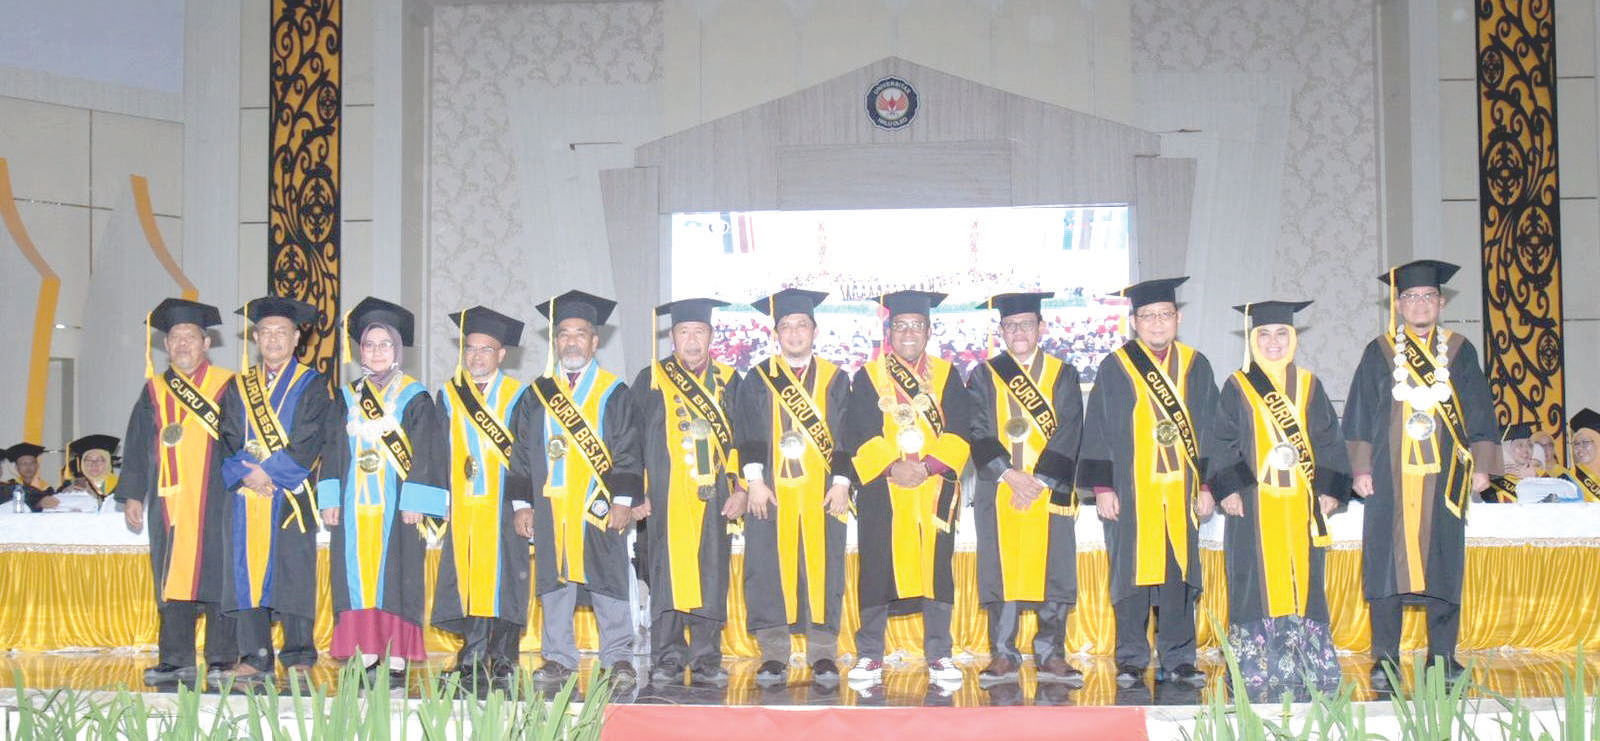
(891, 103)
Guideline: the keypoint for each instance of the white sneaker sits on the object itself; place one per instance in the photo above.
(944, 670)
(866, 670)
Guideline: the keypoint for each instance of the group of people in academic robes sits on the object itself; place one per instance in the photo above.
(614, 484)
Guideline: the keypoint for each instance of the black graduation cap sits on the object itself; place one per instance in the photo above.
(585, 306)
(78, 447)
(790, 301)
(690, 309)
(174, 311)
(1432, 273)
(484, 320)
(1271, 312)
(1016, 303)
(294, 310)
(1586, 419)
(377, 311)
(1153, 291)
(910, 302)
(1518, 431)
(21, 449)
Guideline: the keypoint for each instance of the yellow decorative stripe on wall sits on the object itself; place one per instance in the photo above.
(152, 235)
(44, 313)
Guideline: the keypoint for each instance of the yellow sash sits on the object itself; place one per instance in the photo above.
(1023, 534)
(475, 501)
(1165, 482)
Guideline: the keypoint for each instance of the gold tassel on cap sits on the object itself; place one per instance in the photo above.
(1246, 365)
(149, 364)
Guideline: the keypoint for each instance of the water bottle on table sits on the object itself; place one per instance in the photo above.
(19, 504)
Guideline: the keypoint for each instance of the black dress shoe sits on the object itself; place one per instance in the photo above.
(216, 671)
(666, 673)
(1129, 675)
(623, 675)
(1380, 679)
(551, 672)
(1188, 674)
(165, 673)
(824, 671)
(771, 673)
(713, 675)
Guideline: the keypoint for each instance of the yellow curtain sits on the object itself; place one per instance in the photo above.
(1520, 596)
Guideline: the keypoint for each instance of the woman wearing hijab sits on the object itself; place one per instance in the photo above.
(382, 476)
(89, 477)
(1279, 468)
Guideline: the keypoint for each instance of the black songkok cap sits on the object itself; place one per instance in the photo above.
(1016, 303)
(21, 449)
(174, 311)
(84, 444)
(1271, 312)
(484, 320)
(1518, 431)
(690, 309)
(585, 306)
(1433, 273)
(294, 310)
(1586, 419)
(910, 302)
(377, 311)
(790, 301)
(1153, 291)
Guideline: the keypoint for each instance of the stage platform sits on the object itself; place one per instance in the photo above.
(1525, 674)
(903, 705)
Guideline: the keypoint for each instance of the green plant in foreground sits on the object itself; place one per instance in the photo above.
(356, 709)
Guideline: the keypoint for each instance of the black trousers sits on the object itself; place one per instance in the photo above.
(489, 640)
(702, 651)
(175, 638)
(1173, 601)
(1387, 615)
(255, 638)
(1048, 642)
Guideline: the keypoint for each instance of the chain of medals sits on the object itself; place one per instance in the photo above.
(1420, 425)
(910, 437)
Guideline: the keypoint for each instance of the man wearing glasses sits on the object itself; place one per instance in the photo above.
(1420, 426)
(1025, 434)
(908, 420)
(1143, 457)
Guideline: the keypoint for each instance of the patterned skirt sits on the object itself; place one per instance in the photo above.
(1288, 654)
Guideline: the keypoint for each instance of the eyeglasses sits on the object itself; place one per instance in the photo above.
(908, 326)
(1156, 316)
(479, 349)
(378, 345)
(1413, 296)
(1026, 325)
(1582, 444)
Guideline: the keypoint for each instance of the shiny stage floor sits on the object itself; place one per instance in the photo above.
(905, 684)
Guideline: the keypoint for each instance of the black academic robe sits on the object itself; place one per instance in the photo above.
(504, 397)
(769, 592)
(31, 495)
(1052, 460)
(140, 479)
(1110, 446)
(869, 432)
(1373, 430)
(399, 587)
(303, 408)
(1239, 433)
(681, 519)
(604, 400)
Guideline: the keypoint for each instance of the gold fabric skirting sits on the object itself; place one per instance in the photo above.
(1516, 596)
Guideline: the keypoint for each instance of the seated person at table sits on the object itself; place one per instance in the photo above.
(1516, 450)
(89, 477)
(1585, 462)
(38, 495)
(1544, 456)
